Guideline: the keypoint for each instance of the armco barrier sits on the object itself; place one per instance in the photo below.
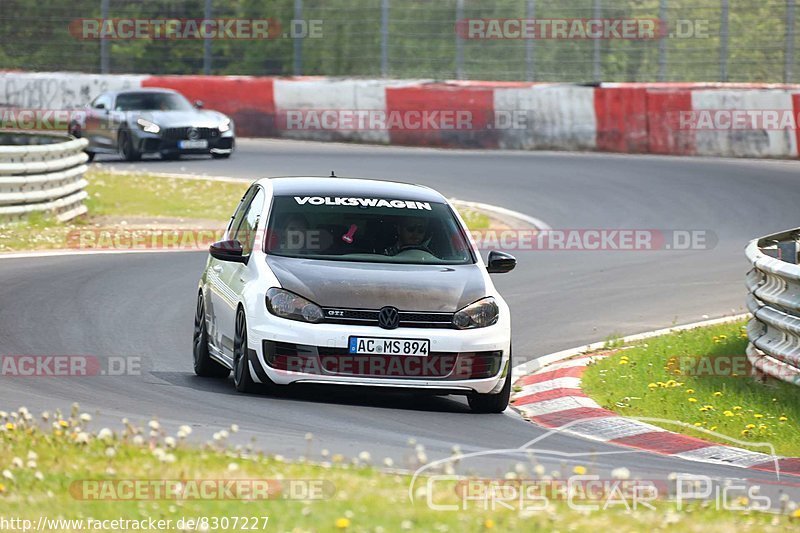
(41, 173)
(774, 300)
(611, 117)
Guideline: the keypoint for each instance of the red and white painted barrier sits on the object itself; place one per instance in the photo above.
(739, 120)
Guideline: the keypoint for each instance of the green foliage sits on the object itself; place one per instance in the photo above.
(422, 42)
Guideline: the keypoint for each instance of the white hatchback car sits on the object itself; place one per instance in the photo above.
(354, 282)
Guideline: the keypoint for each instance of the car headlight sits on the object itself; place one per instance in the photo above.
(480, 314)
(225, 125)
(149, 127)
(287, 304)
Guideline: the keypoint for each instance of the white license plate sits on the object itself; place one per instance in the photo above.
(193, 145)
(387, 346)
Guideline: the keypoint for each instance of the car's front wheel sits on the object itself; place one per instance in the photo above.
(203, 364)
(75, 130)
(126, 146)
(241, 366)
(492, 403)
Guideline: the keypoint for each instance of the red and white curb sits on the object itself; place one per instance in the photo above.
(552, 397)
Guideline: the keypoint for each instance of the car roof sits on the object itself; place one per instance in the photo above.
(351, 187)
(142, 90)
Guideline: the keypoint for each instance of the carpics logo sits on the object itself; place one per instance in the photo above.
(192, 29)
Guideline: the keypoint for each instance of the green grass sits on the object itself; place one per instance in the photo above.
(652, 379)
(148, 198)
(44, 462)
(114, 194)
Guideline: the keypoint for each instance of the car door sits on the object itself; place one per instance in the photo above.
(97, 120)
(239, 274)
(220, 297)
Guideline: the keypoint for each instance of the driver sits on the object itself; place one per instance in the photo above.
(412, 233)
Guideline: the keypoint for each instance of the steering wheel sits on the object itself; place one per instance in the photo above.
(416, 247)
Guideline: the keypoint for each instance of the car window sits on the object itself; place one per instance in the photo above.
(152, 101)
(236, 219)
(102, 99)
(246, 230)
(379, 230)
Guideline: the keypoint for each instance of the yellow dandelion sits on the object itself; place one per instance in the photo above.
(783, 419)
(623, 361)
(63, 423)
(698, 424)
(750, 426)
(692, 400)
(758, 415)
(579, 470)
(10, 426)
(796, 513)
(718, 393)
(745, 432)
(712, 428)
(2, 488)
(652, 385)
(342, 523)
(728, 413)
(488, 523)
(689, 391)
(737, 408)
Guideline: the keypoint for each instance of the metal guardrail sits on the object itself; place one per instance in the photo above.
(41, 174)
(774, 300)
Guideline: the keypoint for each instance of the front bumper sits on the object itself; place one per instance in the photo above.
(461, 361)
(163, 143)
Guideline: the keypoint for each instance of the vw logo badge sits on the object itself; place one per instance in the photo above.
(193, 134)
(389, 318)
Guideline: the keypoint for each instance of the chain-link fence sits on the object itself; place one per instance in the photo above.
(537, 40)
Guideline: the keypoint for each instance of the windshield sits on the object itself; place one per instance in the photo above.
(385, 230)
(147, 101)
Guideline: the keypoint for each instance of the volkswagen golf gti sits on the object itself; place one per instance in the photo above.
(354, 282)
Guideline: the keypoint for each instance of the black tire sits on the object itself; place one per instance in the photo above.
(126, 148)
(492, 403)
(220, 156)
(203, 364)
(75, 130)
(242, 379)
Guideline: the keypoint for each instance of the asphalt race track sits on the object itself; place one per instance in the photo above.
(143, 304)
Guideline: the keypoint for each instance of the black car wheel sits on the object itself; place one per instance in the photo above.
(126, 147)
(203, 364)
(241, 367)
(220, 156)
(75, 130)
(492, 403)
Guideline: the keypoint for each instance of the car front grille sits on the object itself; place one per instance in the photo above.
(369, 317)
(322, 360)
(181, 134)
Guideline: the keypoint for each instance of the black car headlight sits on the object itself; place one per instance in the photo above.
(149, 127)
(480, 314)
(287, 304)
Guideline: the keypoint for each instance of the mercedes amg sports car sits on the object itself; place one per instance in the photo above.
(354, 282)
(152, 121)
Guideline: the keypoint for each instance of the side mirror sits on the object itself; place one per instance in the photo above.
(198, 104)
(500, 262)
(100, 106)
(227, 251)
